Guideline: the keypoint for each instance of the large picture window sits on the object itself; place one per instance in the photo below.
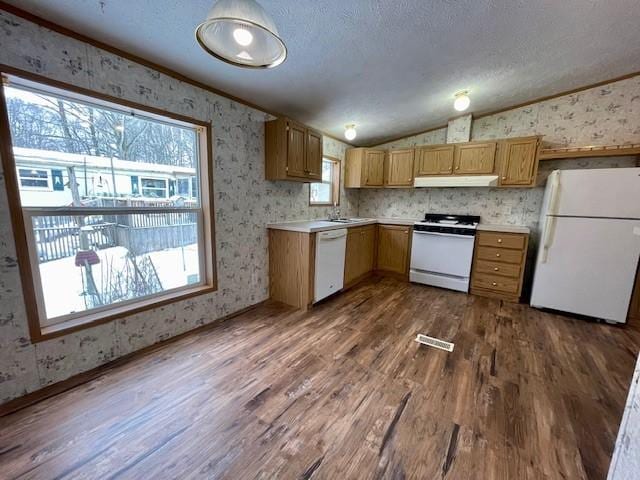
(114, 202)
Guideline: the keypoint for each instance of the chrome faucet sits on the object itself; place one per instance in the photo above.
(334, 214)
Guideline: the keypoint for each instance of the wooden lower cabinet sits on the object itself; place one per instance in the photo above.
(498, 265)
(360, 256)
(394, 247)
(292, 267)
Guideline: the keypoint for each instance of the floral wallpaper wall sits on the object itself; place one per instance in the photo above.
(459, 129)
(605, 115)
(244, 204)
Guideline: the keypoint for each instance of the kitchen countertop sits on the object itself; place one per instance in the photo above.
(487, 227)
(312, 226)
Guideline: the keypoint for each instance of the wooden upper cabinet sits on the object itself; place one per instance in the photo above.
(398, 168)
(292, 151)
(393, 248)
(474, 158)
(296, 153)
(434, 160)
(364, 168)
(518, 160)
(374, 168)
(314, 154)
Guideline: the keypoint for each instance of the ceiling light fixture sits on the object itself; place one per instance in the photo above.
(241, 33)
(462, 101)
(350, 132)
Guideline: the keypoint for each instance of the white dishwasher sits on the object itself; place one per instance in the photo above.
(330, 254)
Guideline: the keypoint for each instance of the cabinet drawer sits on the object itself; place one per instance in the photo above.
(496, 283)
(500, 254)
(502, 240)
(360, 230)
(497, 268)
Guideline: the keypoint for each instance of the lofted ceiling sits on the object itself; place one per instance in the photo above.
(389, 66)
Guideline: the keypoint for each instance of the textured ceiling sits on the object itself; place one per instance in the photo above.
(391, 66)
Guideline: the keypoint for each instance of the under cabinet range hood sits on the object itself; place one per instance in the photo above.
(457, 181)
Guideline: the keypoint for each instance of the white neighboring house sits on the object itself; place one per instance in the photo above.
(43, 177)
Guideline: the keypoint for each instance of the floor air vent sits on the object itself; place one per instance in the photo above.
(434, 342)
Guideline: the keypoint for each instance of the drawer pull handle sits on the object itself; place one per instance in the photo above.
(495, 269)
(494, 284)
(497, 255)
(499, 240)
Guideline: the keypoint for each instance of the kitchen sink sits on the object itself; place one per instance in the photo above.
(347, 220)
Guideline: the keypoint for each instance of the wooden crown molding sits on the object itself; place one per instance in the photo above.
(43, 22)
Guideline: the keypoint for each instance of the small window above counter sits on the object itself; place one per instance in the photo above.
(511, 162)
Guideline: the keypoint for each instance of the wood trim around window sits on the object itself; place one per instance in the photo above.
(210, 284)
(335, 183)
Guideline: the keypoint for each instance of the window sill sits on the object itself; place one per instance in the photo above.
(91, 320)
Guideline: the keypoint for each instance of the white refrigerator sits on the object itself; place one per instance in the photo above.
(589, 242)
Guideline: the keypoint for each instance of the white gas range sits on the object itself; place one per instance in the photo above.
(442, 250)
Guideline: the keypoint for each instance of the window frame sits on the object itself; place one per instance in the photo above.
(165, 188)
(48, 188)
(21, 216)
(335, 183)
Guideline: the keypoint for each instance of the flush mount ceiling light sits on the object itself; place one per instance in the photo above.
(350, 132)
(462, 101)
(241, 33)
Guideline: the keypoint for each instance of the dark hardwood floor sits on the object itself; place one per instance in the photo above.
(343, 391)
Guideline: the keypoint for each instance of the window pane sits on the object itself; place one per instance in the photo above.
(320, 192)
(327, 171)
(95, 261)
(95, 156)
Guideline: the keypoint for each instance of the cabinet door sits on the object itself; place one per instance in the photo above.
(373, 168)
(399, 168)
(314, 155)
(352, 258)
(519, 161)
(435, 161)
(393, 248)
(368, 249)
(475, 158)
(296, 158)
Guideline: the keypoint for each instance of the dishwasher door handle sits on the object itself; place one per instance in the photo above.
(332, 234)
(457, 235)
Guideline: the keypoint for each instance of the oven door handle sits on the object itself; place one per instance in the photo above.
(457, 235)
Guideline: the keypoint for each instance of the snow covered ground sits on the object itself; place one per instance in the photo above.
(62, 280)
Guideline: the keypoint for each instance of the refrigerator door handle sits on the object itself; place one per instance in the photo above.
(553, 194)
(549, 227)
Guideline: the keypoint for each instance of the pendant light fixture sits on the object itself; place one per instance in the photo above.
(350, 132)
(462, 101)
(241, 33)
